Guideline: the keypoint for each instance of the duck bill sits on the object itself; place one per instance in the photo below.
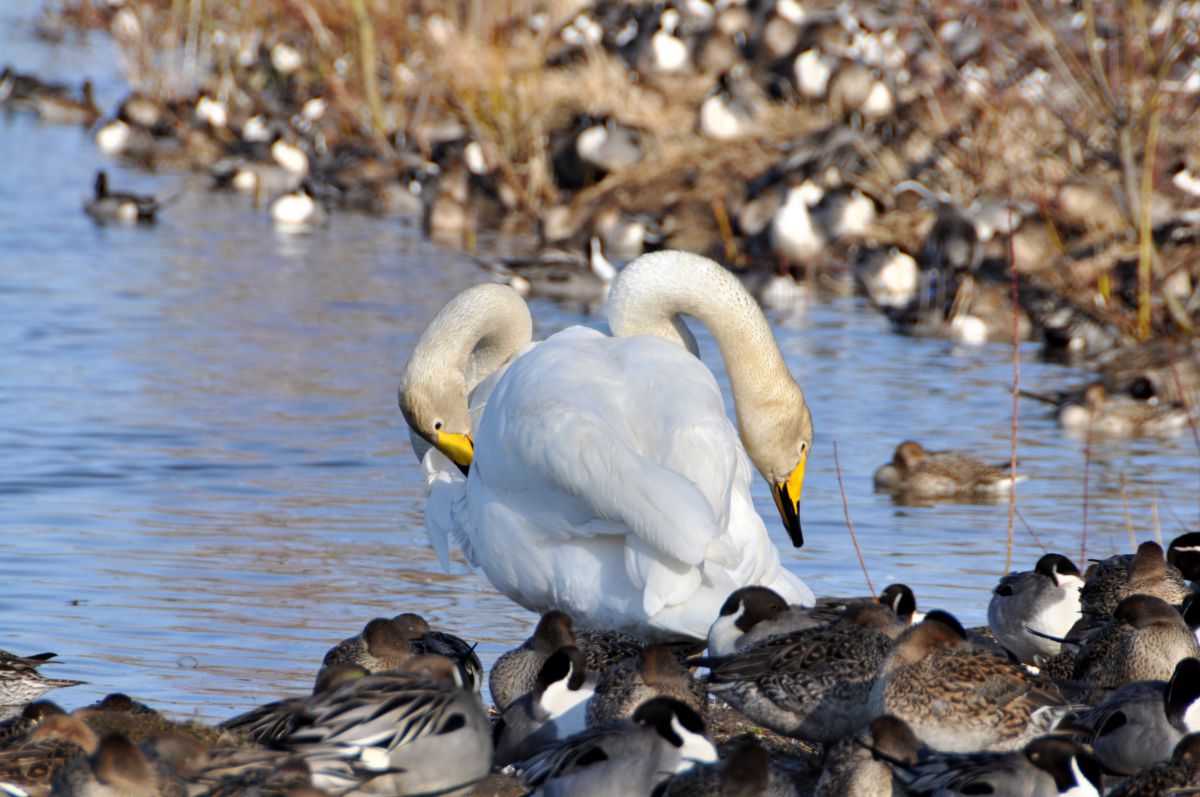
(787, 501)
(458, 447)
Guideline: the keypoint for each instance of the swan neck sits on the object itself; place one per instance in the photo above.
(651, 293)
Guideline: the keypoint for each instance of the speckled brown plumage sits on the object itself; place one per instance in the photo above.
(1117, 577)
(1143, 641)
(957, 697)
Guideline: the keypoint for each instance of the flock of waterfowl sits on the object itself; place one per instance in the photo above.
(595, 478)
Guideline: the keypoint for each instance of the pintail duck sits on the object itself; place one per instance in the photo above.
(65, 110)
(861, 765)
(918, 473)
(751, 615)
(1045, 599)
(299, 209)
(1143, 641)
(554, 710)
(889, 277)
(655, 672)
(109, 205)
(1141, 723)
(20, 681)
(732, 109)
(1109, 581)
(15, 728)
(117, 768)
(1180, 775)
(1117, 415)
(958, 697)
(1049, 766)
(626, 757)
(747, 771)
(414, 730)
(278, 719)
(18, 89)
(559, 274)
(811, 684)
(387, 644)
(34, 761)
(586, 151)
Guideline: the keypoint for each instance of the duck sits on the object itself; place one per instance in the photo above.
(748, 770)
(751, 615)
(624, 758)
(65, 110)
(1048, 766)
(641, 407)
(958, 697)
(811, 684)
(413, 730)
(275, 721)
(34, 761)
(1116, 415)
(1045, 600)
(732, 109)
(20, 681)
(918, 473)
(1144, 572)
(654, 672)
(298, 210)
(117, 768)
(889, 277)
(515, 672)
(386, 644)
(1180, 775)
(861, 765)
(552, 711)
(1143, 641)
(1140, 723)
(15, 728)
(109, 205)
(560, 275)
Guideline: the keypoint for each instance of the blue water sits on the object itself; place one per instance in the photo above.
(205, 483)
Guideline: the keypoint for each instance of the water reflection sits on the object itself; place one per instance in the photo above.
(205, 482)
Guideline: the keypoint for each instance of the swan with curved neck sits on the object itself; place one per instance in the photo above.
(773, 419)
(605, 477)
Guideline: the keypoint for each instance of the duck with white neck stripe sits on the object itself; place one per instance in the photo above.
(554, 710)
(1045, 600)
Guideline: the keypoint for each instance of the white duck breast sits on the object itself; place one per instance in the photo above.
(1044, 600)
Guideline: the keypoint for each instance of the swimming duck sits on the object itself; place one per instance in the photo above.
(748, 770)
(1180, 775)
(625, 758)
(413, 730)
(654, 672)
(1140, 723)
(108, 205)
(298, 210)
(959, 698)
(918, 473)
(810, 684)
(656, 573)
(1049, 766)
(1143, 573)
(1117, 415)
(552, 711)
(387, 644)
(560, 275)
(65, 110)
(861, 765)
(20, 681)
(274, 721)
(1045, 599)
(1143, 641)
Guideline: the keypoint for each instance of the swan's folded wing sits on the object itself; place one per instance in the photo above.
(581, 456)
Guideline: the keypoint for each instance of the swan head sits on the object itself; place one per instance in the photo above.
(475, 334)
(437, 411)
(782, 463)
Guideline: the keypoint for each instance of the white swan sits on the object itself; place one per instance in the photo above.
(605, 479)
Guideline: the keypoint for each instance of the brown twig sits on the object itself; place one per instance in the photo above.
(1128, 521)
(1016, 396)
(849, 525)
(1087, 466)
